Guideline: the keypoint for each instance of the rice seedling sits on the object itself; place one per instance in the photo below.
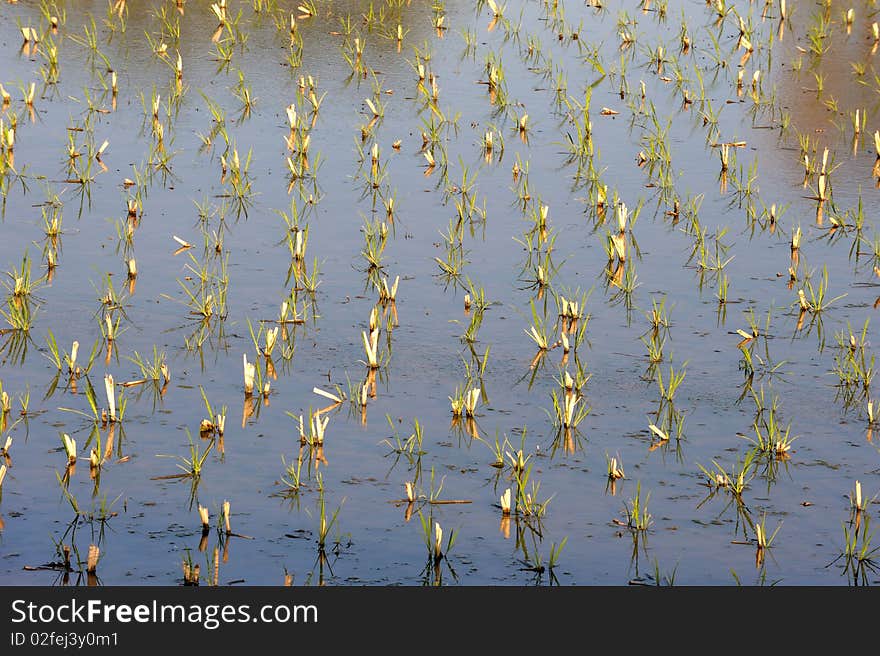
(573, 317)
(292, 477)
(655, 344)
(668, 388)
(21, 284)
(858, 554)
(762, 539)
(636, 511)
(475, 307)
(325, 525)
(534, 562)
(155, 369)
(771, 439)
(215, 422)
(817, 302)
(111, 329)
(539, 331)
(528, 503)
(854, 364)
(410, 446)
(316, 425)
(569, 407)
(193, 465)
(734, 481)
(498, 448)
(464, 402)
(433, 536)
(375, 240)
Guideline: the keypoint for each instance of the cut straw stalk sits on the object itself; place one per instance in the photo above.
(249, 374)
(389, 293)
(215, 424)
(438, 541)
(470, 401)
(69, 448)
(326, 395)
(94, 554)
(319, 425)
(615, 470)
(371, 347)
(622, 214)
(857, 497)
(191, 574)
(505, 502)
(101, 150)
(226, 517)
(271, 339)
(2, 475)
(205, 518)
(111, 396)
(618, 243)
(760, 538)
(29, 35)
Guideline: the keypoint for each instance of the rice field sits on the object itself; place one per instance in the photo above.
(455, 293)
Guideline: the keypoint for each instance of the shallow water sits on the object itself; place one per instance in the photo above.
(697, 535)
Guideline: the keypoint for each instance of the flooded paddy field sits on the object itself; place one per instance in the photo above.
(461, 293)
